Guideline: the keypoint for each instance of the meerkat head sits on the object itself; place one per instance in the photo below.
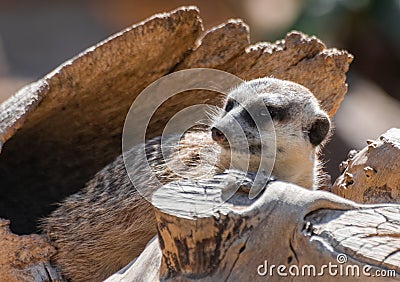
(288, 136)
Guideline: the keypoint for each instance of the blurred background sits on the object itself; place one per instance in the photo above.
(38, 35)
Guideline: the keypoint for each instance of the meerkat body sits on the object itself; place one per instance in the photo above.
(100, 229)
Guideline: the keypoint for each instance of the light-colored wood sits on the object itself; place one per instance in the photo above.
(373, 174)
(286, 225)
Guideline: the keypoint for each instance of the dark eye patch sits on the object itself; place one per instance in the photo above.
(229, 105)
(278, 113)
(245, 115)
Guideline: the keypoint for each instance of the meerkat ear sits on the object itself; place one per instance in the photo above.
(319, 130)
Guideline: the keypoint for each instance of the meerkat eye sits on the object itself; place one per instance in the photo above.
(229, 105)
(277, 113)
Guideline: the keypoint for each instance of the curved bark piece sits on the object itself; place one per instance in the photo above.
(68, 125)
(301, 59)
(240, 239)
(373, 174)
(25, 258)
(218, 46)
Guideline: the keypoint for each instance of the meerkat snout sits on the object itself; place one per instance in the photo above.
(218, 136)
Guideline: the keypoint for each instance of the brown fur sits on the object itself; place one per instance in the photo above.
(100, 229)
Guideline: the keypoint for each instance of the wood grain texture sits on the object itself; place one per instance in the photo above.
(286, 225)
(371, 235)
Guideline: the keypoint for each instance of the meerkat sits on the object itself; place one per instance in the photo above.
(299, 126)
(100, 229)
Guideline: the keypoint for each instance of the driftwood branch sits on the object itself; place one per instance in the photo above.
(202, 237)
(373, 174)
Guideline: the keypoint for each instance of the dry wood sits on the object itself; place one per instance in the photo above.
(201, 237)
(373, 174)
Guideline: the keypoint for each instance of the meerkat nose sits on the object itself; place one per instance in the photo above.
(217, 135)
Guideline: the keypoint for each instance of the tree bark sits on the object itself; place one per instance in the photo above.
(372, 175)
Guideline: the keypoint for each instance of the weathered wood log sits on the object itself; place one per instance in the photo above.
(25, 258)
(372, 175)
(58, 132)
(304, 234)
